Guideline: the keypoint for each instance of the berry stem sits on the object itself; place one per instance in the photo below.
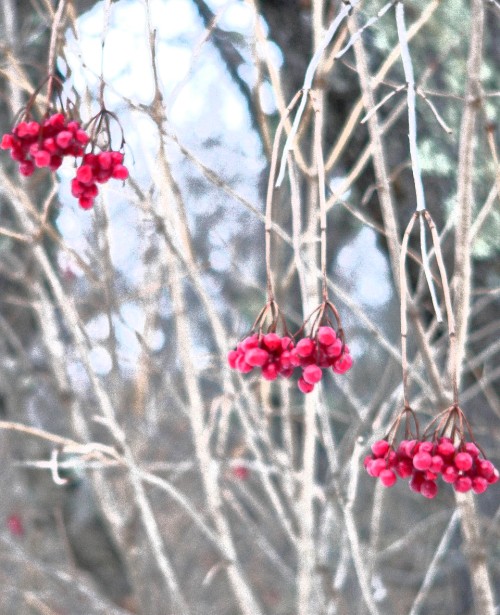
(269, 196)
(56, 23)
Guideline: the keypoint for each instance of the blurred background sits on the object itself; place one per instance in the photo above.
(139, 474)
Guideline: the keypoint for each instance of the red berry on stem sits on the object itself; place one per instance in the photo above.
(429, 489)
(479, 484)
(305, 347)
(326, 336)
(119, 172)
(256, 356)
(463, 484)
(304, 386)
(422, 461)
(312, 374)
(463, 461)
(272, 341)
(380, 448)
(388, 478)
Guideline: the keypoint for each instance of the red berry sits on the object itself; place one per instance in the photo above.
(388, 478)
(82, 137)
(256, 356)
(343, 364)
(429, 489)
(494, 477)
(119, 172)
(437, 464)
(485, 468)
(252, 341)
(55, 162)
(26, 168)
(422, 461)
(479, 484)
(305, 347)
(376, 467)
(326, 336)
(416, 482)
(463, 484)
(272, 341)
(42, 158)
(445, 447)
(241, 365)
(425, 447)
(241, 472)
(304, 386)
(86, 202)
(472, 449)
(15, 525)
(463, 461)
(449, 474)
(380, 448)
(7, 141)
(85, 174)
(270, 371)
(64, 138)
(312, 374)
(404, 468)
(335, 349)
(232, 355)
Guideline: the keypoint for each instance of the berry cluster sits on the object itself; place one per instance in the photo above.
(279, 356)
(33, 144)
(270, 352)
(423, 461)
(96, 168)
(314, 354)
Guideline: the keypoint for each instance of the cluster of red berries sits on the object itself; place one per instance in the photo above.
(423, 461)
(96, 168)
(33, 144)
(279, 356)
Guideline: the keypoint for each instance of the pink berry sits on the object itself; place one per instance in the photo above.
(26, 168)
(449, 474)
(312, 374)
(334, 349)
(326, 336)
(15, 525)
(252, 341)
(425, 447)
(445, 447)
(437, 464)
(50, 145)
(241, 472)
(380, 448)
(64, 138)
(404, 468)
(119, 172)
(485, 468)
(429, 489)
(343, 364)
(388, 478)
(42, 158)
(494, 477)
(416, 482)
(86, 202)
(422, 461)
(82, 137)
(376, 467)
(84, 174)
(55, 162)
(305, 347)
(463, 461)
(241, 365)
(472, 449)
(256, 356)
(272, 341)
(232, 355)
(7, 142)
(479, 484)
(304, 386)
(463, 484)
(270, 371)
(409, 447)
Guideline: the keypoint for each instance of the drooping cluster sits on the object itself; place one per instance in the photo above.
(269, 352)
(96, 169)
(314, 354)
(45, 144)
(279, 356)
(424, 461)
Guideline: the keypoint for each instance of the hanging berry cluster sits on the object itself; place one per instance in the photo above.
(455, 459)
(312, 351)
(277, 355)
(39, 144)
(447, 448)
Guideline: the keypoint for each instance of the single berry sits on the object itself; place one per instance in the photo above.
(380, 448)
(429, 489)
(479, 484)
(388, 478)
(449, 474)
(272, 341)
(445, 447)
(463, 484)
(326, 336)
(256, 356)
(463, 461)
(312, 374)
(304, 386)
(305, 347)
(422, 461)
